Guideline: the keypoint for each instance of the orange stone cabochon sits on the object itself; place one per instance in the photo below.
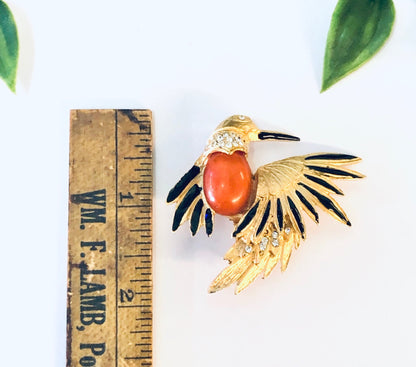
(227, 182)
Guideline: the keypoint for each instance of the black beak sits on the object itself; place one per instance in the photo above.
(269, 135)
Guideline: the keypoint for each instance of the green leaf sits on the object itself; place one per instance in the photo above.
(9, 46)
(358, 30)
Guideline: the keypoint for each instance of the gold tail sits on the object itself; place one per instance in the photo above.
(248, 259)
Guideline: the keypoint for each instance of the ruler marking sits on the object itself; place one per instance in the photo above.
(139, 331)
(139, 328)
(137, 255)
(134, 206)
(138, 157)
(138, 280)
(134, 306)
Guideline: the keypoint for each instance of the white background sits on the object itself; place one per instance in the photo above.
(347, 297)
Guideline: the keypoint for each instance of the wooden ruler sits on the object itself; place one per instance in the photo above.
(110, 239)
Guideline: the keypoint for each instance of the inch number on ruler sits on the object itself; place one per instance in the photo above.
(110, 239)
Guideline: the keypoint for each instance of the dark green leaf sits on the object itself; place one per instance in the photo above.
(358, 30)
(9, 46)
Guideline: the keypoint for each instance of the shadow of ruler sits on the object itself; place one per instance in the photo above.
(109, 320)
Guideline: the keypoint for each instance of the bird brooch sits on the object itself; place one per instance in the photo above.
(266, 207)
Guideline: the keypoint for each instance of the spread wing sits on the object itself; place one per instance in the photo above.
(273, 226)
(188, 195)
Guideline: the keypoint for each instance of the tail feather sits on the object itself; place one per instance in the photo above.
(230, 275)
(250, 259)
(271, 263)
(253, 271)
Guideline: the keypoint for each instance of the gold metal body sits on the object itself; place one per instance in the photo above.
(266, 233)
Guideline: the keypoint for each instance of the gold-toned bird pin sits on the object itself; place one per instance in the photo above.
(265, 208)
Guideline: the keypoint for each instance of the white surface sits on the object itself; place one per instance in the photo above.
(347, 297)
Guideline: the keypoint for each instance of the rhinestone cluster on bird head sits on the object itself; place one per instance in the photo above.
(231, 135)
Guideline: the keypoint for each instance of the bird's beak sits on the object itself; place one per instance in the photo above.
(271, 135)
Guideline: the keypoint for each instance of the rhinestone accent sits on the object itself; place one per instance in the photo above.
(263, 243)
(274, 234)
(226, 140)
(275, 243)
(236, 141)
(248, 249)
(287, 230)
(242, 117)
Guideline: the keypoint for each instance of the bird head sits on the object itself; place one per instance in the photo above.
(236, 132)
